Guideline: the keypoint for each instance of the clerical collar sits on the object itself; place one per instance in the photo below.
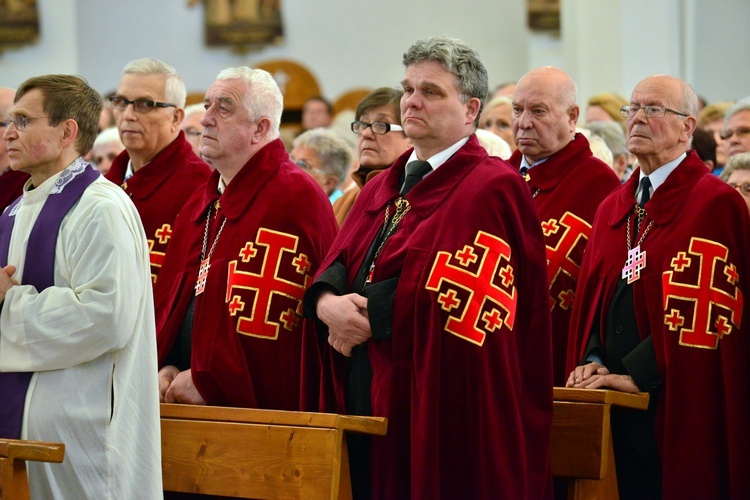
(525, 163)
(222, 185)
(438, 159)
(659, 175)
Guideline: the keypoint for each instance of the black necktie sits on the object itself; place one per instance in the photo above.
(645, 191)
(415, 170)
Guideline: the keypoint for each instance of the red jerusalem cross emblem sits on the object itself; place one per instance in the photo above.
(162, 236)
(714, 304)
(265, 313)
(560, 258)
(483, 276)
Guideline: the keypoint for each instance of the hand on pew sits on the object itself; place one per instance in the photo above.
(178, 387)
(596, 376)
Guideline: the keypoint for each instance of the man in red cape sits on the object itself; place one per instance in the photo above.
(245, 248)
(660, 308)
(568, 184)
(158, 168)
(439, 294)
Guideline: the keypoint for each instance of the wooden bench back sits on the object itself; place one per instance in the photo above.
(582, 439)
(250, 453)
(14, 484)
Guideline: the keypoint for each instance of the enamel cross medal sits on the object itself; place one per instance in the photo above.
(635, 263)
(200, 284)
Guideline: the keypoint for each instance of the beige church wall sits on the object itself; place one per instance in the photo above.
(605, 45)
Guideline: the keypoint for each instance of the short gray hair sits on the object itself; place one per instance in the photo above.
(107, 136)
(741, 105)
(612, 134)
(194, 109)
(174, 87)
(740, 161)
(689, 99)
(459, 59)
(334, 153)
(263, 99)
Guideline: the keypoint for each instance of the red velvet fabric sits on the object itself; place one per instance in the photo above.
(247, 330)
(466, 378)
(690, 300)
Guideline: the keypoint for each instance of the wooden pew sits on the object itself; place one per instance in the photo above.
(14, 484)
(582, 439)
(251, 453)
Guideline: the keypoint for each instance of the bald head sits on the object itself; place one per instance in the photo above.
(554, 81)
(6, 101)
(657, 140)
(544, 112)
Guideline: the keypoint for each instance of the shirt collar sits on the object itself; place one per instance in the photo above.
(438, 159)
(659, 175)
(525, 162)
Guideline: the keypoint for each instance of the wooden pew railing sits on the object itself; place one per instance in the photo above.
(14, 484)
(582, 439)
(251, 453)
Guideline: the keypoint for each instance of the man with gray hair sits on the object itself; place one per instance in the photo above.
(660, 308)
(11, 181)
(324, 155)
(433, 300)
(158, 168)
(567, 181)
(245, 248)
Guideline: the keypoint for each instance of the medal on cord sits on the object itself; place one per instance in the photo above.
(200, 283)
(636, 261)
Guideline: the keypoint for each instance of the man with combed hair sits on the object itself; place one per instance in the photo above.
(245, 248)
(433, 300)
(77, 348)
(11, 181)
(568, 184)
(660, 308)
(325, 156)
(158, 168)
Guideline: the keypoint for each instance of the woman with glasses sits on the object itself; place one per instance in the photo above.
(737, 174)
(380, 142)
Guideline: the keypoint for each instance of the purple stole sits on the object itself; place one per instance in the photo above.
(38, 271)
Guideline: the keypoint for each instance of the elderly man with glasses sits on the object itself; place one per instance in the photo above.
(660, 308)
(158, 168)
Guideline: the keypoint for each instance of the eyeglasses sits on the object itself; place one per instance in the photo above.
(20, 121)
(650, 111)
(744, 187)
(304, 165)
(139, 105)
(379, 128)
(192, 132)
(741, 133)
